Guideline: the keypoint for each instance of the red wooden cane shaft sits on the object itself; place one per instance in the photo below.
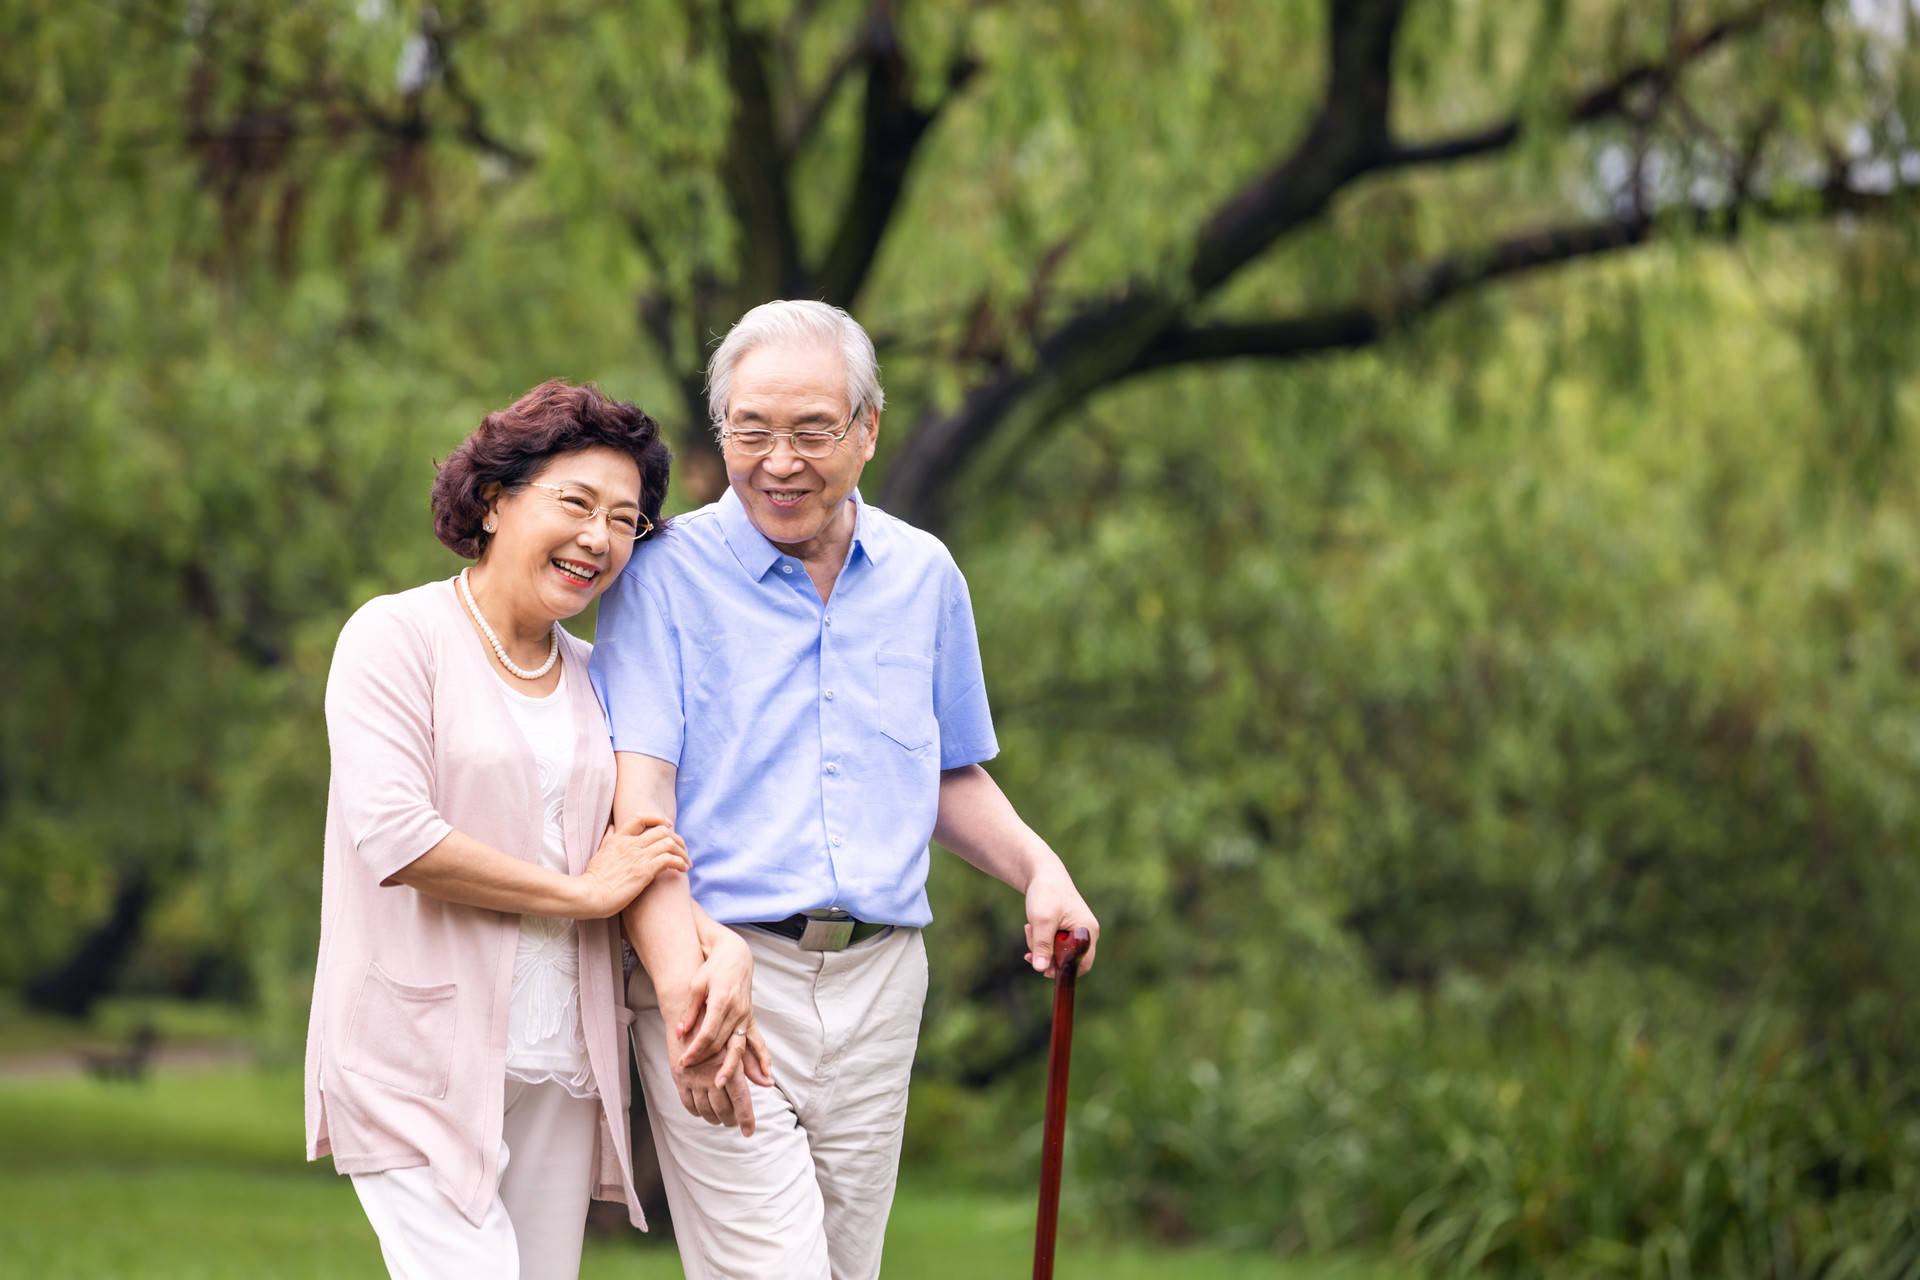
(1067, 950)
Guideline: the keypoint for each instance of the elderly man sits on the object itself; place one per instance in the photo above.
(794, 675)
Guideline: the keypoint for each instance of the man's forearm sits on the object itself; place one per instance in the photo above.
(660, 922)
(978, 822)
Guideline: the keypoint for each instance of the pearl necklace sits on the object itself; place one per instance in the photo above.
(500, 650)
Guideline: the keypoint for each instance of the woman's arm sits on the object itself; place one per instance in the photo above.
(462, 869)
(379, 706)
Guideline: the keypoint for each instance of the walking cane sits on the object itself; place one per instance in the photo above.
(1067, 950)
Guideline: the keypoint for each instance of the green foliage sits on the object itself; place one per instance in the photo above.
(1555, 678)
(1537, 1127)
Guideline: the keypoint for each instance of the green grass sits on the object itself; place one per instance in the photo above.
(940, 1232)
(113, 1020)
(199, 1175)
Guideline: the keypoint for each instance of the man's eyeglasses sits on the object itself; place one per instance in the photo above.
(623, 523)
(809, 442)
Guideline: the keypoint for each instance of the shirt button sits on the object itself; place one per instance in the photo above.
(832, 768)
(829, 695)
(837, 842)
(829, 619)
(786, 568)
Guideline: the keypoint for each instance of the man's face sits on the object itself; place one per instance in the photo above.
(798, 503)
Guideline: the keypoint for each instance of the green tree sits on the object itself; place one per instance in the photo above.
(1207, 183)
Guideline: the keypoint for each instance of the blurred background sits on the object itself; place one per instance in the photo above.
(1437, 479)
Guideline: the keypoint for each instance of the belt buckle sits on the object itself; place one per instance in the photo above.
(828, 929)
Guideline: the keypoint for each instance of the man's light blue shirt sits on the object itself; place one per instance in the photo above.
(809, 737)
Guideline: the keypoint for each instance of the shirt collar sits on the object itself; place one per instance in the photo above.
(869, 535)
(757, 555)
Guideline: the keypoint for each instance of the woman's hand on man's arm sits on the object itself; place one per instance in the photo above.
(464, 870)
(630, 855)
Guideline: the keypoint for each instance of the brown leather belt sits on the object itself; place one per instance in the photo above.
(825, 929)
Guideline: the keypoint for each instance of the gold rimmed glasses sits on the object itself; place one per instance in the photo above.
(622, 522)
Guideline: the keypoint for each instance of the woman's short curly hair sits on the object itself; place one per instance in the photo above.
(512, 444)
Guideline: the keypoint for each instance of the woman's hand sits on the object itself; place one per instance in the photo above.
(716, 1089)
(713, 1069)
(721, 1005)
(629, 857)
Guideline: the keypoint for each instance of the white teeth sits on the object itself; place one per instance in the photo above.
(585, 575)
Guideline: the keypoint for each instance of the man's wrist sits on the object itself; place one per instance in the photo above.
(1041, 863)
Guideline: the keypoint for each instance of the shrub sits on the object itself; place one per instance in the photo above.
(1548, 1126)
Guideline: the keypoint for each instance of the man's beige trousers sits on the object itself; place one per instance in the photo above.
(807, 1196)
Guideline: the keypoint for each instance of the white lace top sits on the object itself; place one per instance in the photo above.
(545, 1043)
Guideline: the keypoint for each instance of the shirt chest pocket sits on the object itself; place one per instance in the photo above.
(904, 689)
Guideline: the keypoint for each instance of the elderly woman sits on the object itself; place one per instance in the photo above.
(467, 1055)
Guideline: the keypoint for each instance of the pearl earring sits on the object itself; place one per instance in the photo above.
(488, 526)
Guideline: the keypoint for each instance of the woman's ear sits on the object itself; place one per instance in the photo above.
(490, 494)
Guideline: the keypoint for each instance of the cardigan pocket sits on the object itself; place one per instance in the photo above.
(401, 1034)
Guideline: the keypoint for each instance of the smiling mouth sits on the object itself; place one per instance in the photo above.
(580, 575)
(784, 497)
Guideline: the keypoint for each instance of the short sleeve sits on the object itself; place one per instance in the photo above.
(637, 674)
(959, 686)
(380, 733)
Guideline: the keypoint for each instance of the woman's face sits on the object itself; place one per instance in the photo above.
(543, 557)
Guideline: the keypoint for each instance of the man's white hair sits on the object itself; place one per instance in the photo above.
(797, 322)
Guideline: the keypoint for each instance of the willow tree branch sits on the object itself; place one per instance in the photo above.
(1346, 139)
(1602, 101)
(343, 109)
(332, 127)
(473, 128)
(798, 19)
(648, 241)
(1359, 324)
(1101, 339)
(807, 120)
(892, 128)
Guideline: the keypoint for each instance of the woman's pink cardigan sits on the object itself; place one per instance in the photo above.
(407, 1042)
